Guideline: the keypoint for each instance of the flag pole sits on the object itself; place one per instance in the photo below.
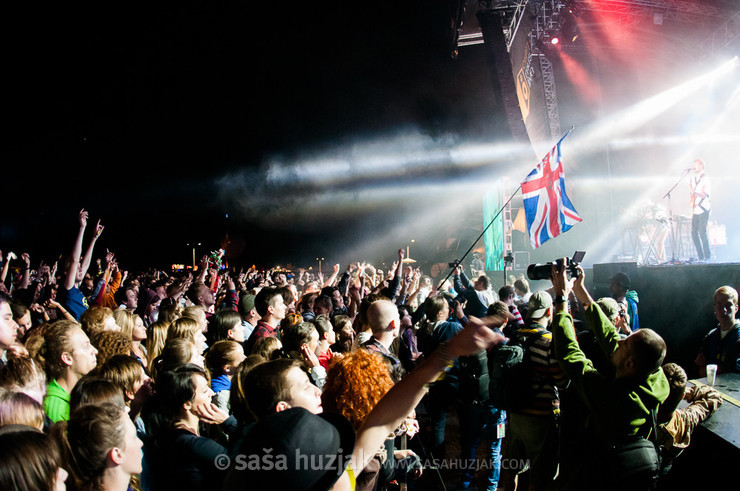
(481, 235)
(493, 220)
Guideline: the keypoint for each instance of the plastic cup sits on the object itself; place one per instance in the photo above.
(711, 374)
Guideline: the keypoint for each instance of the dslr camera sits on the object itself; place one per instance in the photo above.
(542, 271)
(454, 264)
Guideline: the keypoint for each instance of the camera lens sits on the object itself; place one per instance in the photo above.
(539, 271)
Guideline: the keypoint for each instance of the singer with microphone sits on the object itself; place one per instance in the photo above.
(700, 205)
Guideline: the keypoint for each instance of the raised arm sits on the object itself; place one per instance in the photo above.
(6, 265)
(70, 274)
(89, 252)
(330, 280)
(403, 397)
(26, 271)
(203, 270)
(459, 280)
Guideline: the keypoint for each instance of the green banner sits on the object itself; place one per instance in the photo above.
(493, 239)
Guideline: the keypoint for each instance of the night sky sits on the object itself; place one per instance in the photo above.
(136, 111)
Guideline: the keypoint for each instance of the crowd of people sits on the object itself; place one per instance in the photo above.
(213, 379)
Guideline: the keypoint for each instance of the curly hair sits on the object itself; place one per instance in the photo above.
(110, 343)
(354, 385)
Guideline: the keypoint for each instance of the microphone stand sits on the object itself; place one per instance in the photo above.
(670, 215)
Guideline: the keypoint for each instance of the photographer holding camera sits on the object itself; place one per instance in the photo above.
(620, 408)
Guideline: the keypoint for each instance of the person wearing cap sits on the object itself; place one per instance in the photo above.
(249, 314)
(621, 291)
(296, 449)
(533, 430)
(618, 405)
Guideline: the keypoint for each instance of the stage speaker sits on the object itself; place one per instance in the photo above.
(521, 260)
(602, 273)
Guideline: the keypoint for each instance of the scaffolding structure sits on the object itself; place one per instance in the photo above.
(551, 13)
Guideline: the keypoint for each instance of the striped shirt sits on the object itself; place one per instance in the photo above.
(545, 372)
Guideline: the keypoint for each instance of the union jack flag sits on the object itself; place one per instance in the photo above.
(548, 210)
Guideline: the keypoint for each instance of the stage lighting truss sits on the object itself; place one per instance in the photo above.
(558, 18)
(555, 26)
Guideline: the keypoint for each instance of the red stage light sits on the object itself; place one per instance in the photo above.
(555, 40)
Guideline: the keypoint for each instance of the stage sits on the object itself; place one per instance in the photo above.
(675, 300)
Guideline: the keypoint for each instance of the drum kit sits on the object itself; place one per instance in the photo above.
(652, 229)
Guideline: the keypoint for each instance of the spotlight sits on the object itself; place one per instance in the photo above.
(574, 8)
(555, 40)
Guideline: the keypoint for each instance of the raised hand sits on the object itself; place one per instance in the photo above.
(474, 337)
(309, 356)
(98, 229)
(83, 218)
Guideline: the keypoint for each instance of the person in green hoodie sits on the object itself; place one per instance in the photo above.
(619, 407)
(67, 356)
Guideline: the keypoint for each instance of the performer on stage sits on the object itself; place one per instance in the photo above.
(700, 204)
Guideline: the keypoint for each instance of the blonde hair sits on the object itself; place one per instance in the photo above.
(194, 312)
(126, 320)
(729, 291)
(20, 409)
(169, 312)
(156, 336)
(184, 327)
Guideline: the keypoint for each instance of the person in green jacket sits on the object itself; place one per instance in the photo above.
(619, 406)
(67, 355)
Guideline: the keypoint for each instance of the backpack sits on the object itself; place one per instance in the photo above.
(637, 461)
(509, 377)
(472, 378)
